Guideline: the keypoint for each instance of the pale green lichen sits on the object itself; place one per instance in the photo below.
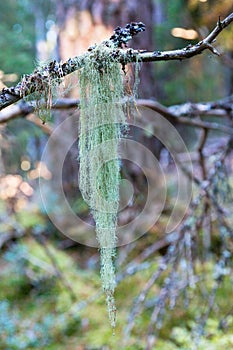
(101, 119)
(102, 125)
(41, 87)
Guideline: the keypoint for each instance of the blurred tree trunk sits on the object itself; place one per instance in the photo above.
(88, 22)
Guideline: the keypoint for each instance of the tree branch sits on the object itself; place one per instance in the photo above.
(183, 114)
(168, 112)
(190, 50)
(56, 71)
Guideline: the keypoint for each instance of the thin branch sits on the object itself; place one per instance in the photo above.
(56, 71)
(190, 50)
(202, 142)
(163, 264)
(178, 113)
(25, 110)
(166, 112)
(19, 110)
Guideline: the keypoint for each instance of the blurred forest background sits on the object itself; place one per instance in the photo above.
(173, 292)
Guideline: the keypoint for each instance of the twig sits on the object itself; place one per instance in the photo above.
(163, 265)
(157, 107)
(202, 141)
(168, 285)
(190, 50)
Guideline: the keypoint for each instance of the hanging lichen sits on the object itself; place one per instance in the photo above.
(102, 125)
(43, 82)
(101, 120)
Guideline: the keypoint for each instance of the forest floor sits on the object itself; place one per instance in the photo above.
(38, 310)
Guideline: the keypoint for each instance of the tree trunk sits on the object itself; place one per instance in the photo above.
(93, 21)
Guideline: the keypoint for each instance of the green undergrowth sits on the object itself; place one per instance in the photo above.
(37, 312)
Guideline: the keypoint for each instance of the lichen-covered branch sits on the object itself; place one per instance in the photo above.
(40, 78)
(187, 52)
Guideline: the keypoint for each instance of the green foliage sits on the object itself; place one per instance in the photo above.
(28, 219)
(195, 79)
(28, 275)
(44, 318)
(214, 337)
(18, 332)
(11, 338)
(17, 37)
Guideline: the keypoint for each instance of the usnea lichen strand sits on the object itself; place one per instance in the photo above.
(101, 116)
